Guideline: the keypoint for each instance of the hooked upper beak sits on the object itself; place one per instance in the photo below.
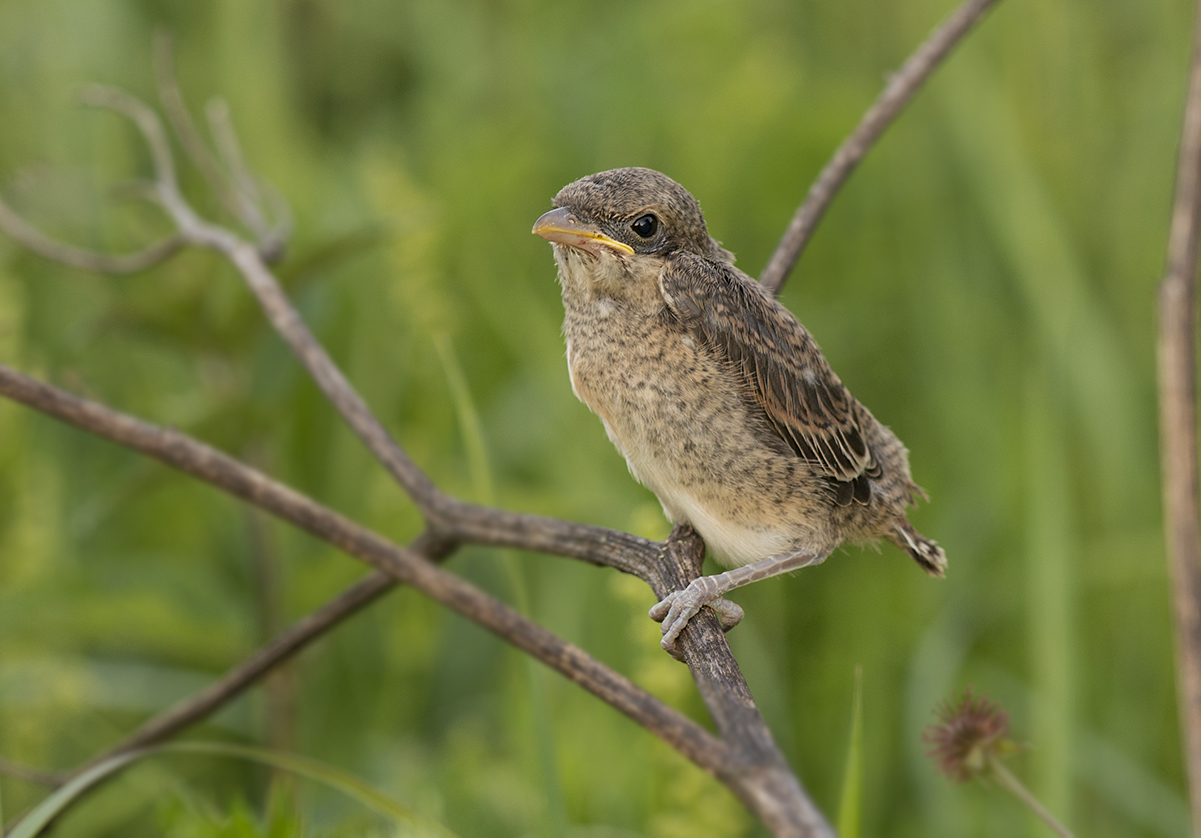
(561, 227)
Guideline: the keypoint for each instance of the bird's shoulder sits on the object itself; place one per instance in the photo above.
(777, 362)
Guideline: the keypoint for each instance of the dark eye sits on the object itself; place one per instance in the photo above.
(645, 225)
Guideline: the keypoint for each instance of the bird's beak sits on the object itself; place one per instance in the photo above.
(561, 227)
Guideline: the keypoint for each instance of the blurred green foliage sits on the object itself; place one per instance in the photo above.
(985, 284)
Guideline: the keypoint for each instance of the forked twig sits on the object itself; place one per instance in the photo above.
(229, 179)
(901, 88)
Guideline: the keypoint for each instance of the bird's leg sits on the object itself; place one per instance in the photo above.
(678, 607)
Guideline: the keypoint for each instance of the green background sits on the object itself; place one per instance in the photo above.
(985, 284)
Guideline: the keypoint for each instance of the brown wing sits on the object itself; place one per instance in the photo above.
(780, 365)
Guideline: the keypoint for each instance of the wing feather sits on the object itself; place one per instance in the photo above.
(780, 366)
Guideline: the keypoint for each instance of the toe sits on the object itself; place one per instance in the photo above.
(663, 607)
(682, 610)
(730, 613)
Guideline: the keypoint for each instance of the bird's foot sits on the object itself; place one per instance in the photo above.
(678, 607)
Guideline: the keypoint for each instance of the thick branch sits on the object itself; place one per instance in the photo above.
(901, 88)
(773, 791)
(1178, 425)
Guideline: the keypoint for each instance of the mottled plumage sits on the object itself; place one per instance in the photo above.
(719, 399)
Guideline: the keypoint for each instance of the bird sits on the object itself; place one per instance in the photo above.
(717, 396)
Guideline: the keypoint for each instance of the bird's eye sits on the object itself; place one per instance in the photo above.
(645, 225)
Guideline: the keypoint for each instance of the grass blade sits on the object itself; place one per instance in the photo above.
(310, 769)
(852, 779)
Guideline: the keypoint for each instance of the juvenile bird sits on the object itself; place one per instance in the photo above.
(717, 396)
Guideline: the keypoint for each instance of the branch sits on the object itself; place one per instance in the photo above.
(772, 791)
(901, 88)
(1178, 425)
(147, 122)
(746, 758)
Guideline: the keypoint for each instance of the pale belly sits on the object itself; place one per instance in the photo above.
(686, 435)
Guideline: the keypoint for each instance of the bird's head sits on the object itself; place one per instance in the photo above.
(628, 213)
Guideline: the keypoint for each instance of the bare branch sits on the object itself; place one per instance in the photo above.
(1177, 347)
(897, 93)
(746, 758)
(88, 260)
(283, 222)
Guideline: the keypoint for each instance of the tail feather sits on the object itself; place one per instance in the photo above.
(925, 552)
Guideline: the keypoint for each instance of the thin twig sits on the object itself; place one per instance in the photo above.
(272, 237)
(1178, 425)
(34, 776)
(900, 89)
(147, 122)
(185, 129)
(221, 126)
(196, 708)
(88, 260)
(234, 186)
